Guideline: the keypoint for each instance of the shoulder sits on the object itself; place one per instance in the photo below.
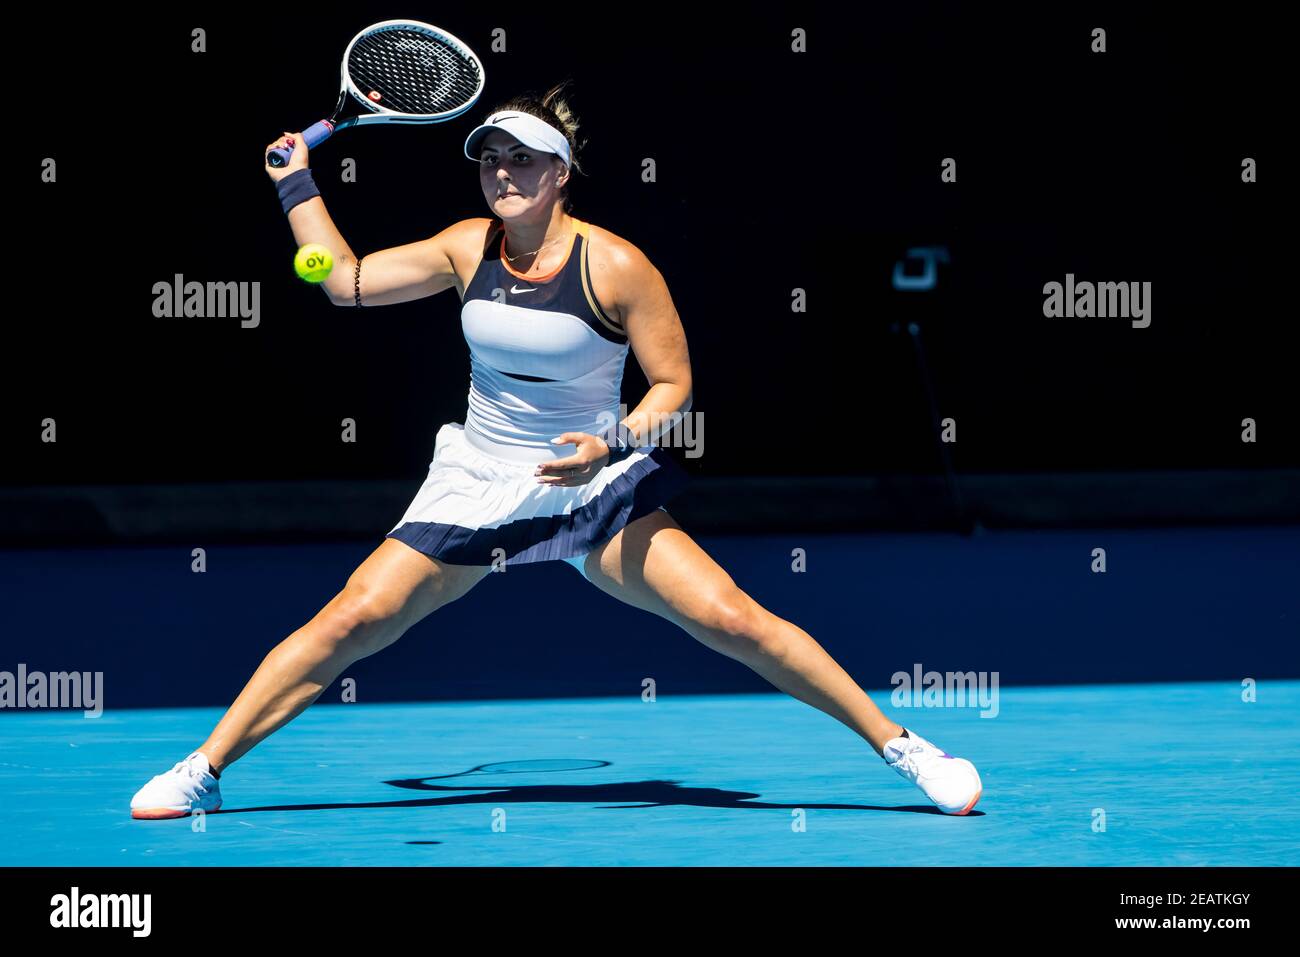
(624, 277)
(621, 262)
(464, 244)
(627, 282)
(469, 237)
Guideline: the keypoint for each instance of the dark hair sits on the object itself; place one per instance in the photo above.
(552, 108)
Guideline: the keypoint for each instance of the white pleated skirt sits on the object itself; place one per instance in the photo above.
(475, 508)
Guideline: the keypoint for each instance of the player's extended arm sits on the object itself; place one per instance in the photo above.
(396, 274)
(658, 341)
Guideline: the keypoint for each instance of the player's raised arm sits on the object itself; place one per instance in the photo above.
(415, 270)
(402, 273)
(393, 72)
(398, 274)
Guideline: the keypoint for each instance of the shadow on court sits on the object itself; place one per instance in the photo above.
(620, 796)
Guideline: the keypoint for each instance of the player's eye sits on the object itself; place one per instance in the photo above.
(521, 157)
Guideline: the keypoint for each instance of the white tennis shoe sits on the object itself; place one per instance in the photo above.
(186, 788)
(952, 784)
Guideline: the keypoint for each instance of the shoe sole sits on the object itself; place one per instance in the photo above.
(162, 813)
(966, 809)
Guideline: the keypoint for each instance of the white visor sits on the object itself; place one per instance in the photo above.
(524, 127)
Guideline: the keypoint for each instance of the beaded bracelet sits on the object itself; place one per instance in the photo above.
(356, 282)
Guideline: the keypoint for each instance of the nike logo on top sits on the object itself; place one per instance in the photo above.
(515, 290)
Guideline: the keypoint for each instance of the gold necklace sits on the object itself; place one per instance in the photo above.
(550, 242)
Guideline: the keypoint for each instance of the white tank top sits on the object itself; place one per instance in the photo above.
(544, 357)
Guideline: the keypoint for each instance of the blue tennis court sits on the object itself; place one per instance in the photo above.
(1186, 775)
(1112, 768)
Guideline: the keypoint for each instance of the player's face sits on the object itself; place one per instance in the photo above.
(517, 180)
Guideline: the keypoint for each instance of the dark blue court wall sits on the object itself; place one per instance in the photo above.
(1173, 605)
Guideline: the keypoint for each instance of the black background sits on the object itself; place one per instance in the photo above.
(776, 170)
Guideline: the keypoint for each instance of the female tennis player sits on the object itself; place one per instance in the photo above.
(541, 469)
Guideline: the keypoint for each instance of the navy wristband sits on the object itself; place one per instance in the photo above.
(621, 442)
(297, 187)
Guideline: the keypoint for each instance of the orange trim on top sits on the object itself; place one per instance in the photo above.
(550, 275)
(587, 288)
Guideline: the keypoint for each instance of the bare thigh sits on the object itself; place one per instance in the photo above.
(654, 565)
(393, 589)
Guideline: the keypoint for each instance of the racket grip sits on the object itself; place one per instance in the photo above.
(313, 135)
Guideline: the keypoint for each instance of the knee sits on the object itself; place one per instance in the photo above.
(736, 620)
(358, 617)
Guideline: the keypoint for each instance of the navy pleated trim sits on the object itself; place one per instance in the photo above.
(646, 485)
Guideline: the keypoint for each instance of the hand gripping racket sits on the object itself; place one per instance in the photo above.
(398, 71)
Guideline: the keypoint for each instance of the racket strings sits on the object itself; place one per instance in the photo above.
(412, 72)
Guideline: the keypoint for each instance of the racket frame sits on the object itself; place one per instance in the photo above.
(375, 113)
(382, 114)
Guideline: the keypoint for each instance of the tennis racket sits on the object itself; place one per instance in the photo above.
(398, 71)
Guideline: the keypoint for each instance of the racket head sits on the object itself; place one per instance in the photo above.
(407, 71)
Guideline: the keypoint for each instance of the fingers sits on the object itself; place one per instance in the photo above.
(582, 479)
(576, 469)
(561, 465)
(590, 450)
(584, 455)
(558, 470)
(560, 473)
(294, 144)
(286, 141)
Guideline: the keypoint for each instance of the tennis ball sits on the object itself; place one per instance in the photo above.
(313, 263)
